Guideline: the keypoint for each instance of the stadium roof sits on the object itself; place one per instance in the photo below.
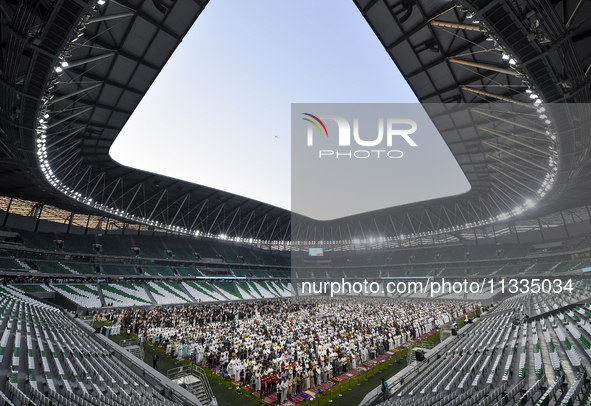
(73, 72)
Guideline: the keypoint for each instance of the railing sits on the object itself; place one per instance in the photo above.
(134, 347)
(197, 372)
(206, 386)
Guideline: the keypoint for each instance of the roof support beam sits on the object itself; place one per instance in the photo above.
(179, 209)
(453, 87)
(497, 96)
(98, 19)
(157, 203)
(466, 47)
(198, 214)
(484, 66)
(529, 175)
(525, 144)
(133, 198)
(216, 218)
(458, 26)
(66, 65)
(537, 165)
(67, 96)
(527, 127)
(574, 14)
(513, 179)
(63, 120)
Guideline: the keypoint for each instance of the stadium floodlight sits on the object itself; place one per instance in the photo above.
(64, 64)
(58, 69)
(512, 61)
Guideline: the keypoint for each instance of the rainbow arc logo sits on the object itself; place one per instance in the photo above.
(310, 129)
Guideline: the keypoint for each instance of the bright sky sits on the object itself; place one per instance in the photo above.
(213, 114)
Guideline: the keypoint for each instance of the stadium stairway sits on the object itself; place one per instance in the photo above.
(167, 293)
(80, 294)
(100, 293)
(219, 292)
(200, 292)
(268, 287)
(244, 291)
(125, 295)
(263, 290)
(149, 293)
(189, 295)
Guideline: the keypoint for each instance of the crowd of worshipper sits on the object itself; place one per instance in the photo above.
(292, 345)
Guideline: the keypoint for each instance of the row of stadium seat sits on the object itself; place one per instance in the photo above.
(150, 247)
(184, 249)
(489, 364)
(161, 292)
(52, 360)
(69, 268)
